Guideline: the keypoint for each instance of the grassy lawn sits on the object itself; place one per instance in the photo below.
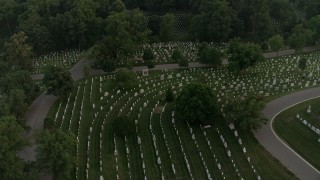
(301, 138)
(88, 113)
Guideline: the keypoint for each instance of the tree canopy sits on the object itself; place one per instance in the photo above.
(57, 80)
(56, 152)
(196, 103)
(245, 113)
(243, 55)
(126, 79)
(11, 166)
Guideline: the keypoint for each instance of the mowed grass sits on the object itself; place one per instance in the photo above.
(126, 165)
(302, 139)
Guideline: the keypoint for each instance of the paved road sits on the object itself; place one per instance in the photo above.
(43, 103)
(77, 70)
(276, 146)
(34, 117)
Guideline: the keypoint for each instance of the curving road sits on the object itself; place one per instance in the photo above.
(268, 138)
(39, 109)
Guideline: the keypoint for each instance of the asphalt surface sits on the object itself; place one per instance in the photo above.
(39, 109)
(35, 117)
(278, 148)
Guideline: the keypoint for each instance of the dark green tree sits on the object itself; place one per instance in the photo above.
(243, 55)
(299, 37)
(214, 21)
(19, 80)
(210, 56)
(147, 54)
(154, 24)
(49, 123)
(17, 104)
(126, 79)
(11, 166)
(246, 113)
(314, 25)
(169, 95)
(18, 53)
(196, 103)
(166, 28)
(123, 126)
(302, 64)
(276, 42)
(56, 153)
(38, 35)
(117, 6)
(57, 81)
(177, 56)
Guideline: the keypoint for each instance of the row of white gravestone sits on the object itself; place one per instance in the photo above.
(235, 132)
(181, 147)
(225, 144)
(210, 147)
(309, 125)
(154, 140)
(165, 140)
(65, 111)
(73, 108)
(62, 59)
(200, 153)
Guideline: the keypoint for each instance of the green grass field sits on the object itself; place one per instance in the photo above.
(161, 149)
(301, 138)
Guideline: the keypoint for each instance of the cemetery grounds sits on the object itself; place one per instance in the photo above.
(299, 126)
(164, 148)
(65, 59)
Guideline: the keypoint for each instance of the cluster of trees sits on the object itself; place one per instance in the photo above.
(17, 91)
(197, 104)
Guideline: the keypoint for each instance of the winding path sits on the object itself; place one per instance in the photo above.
(41, 106)
(269, 139)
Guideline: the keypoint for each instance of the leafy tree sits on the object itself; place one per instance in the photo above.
(38, 35)
(150, 64)
(210, 56)
(56, 152)
(314, 25)
(11, 166)
(147, 54)
(283, 11)
(245, 113)
(214, 21)
(276, 43)
(126, 79)
(166, 28)
(7, 13)
(49, 123)
(123, 126)
(169, 95)
(154, 24)
(117, 6)
(4, 107)
(18, 52)
(125, 32)
(17, 103)
(302, 64)
(183, 62)
(19, 80)
(177, 56)
(299, 37)
(243, 55)
(196, 103)
(57, 80)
